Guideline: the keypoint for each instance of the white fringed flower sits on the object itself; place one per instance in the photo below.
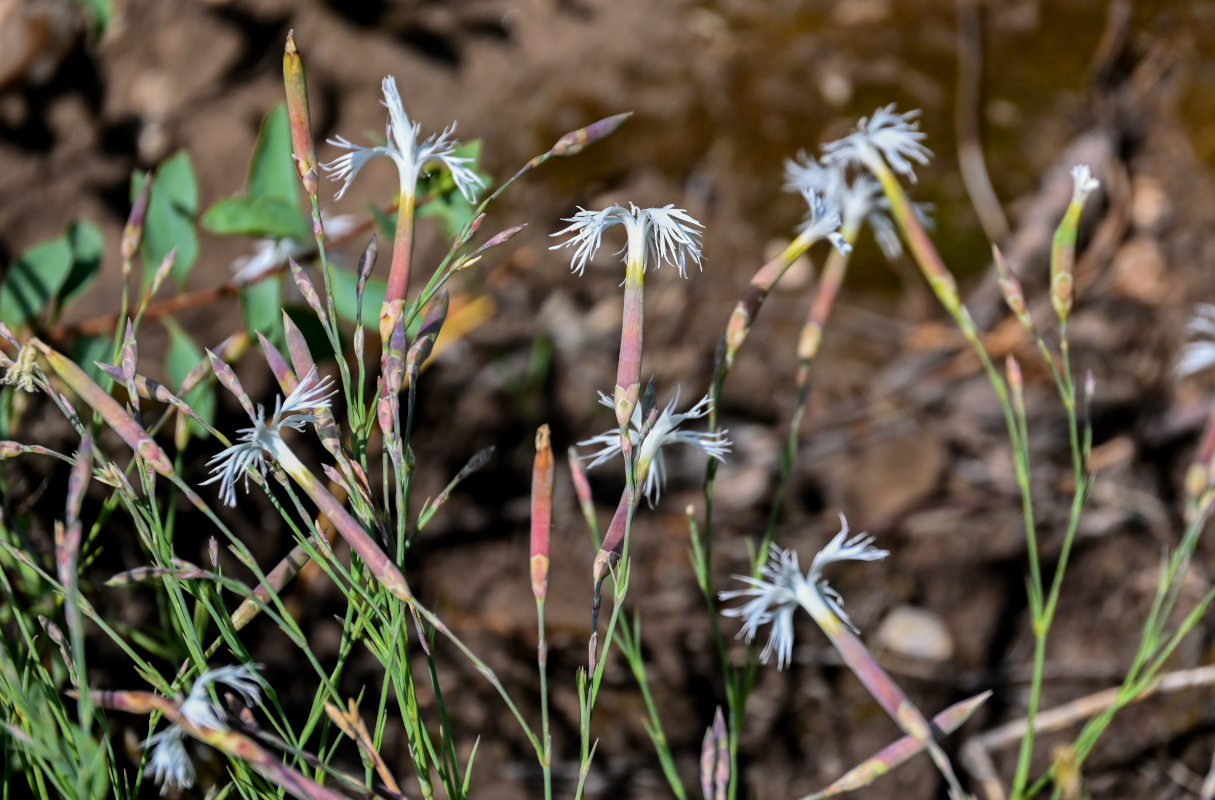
(781, 589)
(297, 410)
(169, 762)
(823, 221)
(651, 466)
(1083, 183)
(20, 372)
(403, 147)
(270, 253)
(198, 708)
(1198, 354)
(888, 137)
(654, 235)
(859, 199)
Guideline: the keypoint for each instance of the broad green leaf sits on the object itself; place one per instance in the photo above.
(271, 170)
(261, 304)
(245, 215)
(88, 246)
(175, 180)
(183, 356)
(33, 279)
(170, 220)
(345, 295)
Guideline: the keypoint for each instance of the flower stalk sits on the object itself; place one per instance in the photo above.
(901, 751)
(196, 717)
(411, 156)
(654, 235)
(301, 407)
(782, 589)
(541, 530)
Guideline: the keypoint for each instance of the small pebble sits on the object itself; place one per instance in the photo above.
(915, 632)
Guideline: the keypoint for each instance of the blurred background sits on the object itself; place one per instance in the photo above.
(901, 434)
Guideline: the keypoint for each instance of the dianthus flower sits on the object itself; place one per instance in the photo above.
(297, 410)
(651, 466)
(781, 589)
(885, 138)
(403, 147)
(654, 235)
(169, 763)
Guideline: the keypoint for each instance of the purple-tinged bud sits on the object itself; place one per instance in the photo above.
(1015, 382)
(1010, 287)
(394, 359)
(386, 411)
(436, 315)
(367, 262)
(308, 291)
(500, 238)
(194, 377)
(162, 272)
(297, 347)
(6, 333)
(582, 488)
(577, 141)
(132, 232)
(228, 378)
(283, 373)
(477, 222)
(129, 354)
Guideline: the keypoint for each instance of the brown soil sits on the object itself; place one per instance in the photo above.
(902, 433)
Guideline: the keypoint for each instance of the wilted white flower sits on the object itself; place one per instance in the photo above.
(781, 589)
(651, 466)
(199, 709)
(654, 235)
(403, 147)
(1083, 183)
(1199, 354)
(169, 763)
(886, 136)
(267, 254)
(297, 410)
(20, 372)
(270, 253)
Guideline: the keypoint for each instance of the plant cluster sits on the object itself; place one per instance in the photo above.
(355, 515)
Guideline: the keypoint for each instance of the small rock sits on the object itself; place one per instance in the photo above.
(915, 632)
(1150, 205)
(895, 474)
(836, 87)
(1140, 271)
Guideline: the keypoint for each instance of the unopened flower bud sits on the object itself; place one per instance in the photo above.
(577, 141)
